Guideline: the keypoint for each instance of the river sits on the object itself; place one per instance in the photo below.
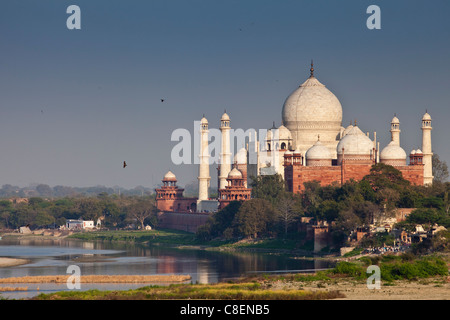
(53, 257)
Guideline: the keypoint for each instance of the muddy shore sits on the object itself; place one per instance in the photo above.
(12, 262)
(100, 279)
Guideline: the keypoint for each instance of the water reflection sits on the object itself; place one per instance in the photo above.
(52, 257)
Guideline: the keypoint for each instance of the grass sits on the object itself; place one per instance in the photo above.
(221, 291)
(394, 267)
(161, 236)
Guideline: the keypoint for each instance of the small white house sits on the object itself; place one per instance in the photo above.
(79, 224)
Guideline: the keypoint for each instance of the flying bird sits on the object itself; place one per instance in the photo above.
(162, 100)
(124, 164)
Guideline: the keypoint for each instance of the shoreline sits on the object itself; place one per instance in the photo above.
(99, 279)
(12, 262)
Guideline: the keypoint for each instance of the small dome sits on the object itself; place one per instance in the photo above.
(283, 133)
(395, 120)
(393, 152)
(235, 174)
(355, 142)
(297, 152)
(426, 116)
(288, 153)
(225, 117)
(204, 120)
(413, 152)
(170, 176)
(418, 151)
(318, 152)
(347, 130)
(241, 156)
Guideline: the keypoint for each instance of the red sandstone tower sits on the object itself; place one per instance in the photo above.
(235, 190)
(170, 198)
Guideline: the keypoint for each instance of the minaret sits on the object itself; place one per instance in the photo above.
(203, 176)
(426, 149)
(395, 130)
(225, 154)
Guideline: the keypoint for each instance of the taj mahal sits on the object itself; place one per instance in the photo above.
(311, 144)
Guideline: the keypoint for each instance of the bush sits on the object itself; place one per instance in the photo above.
(422, 268)
(348, 268)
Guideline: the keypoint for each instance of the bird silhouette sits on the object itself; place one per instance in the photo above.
(162, 100)
(124, 164)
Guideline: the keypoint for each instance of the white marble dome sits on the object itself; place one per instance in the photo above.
(318, 152)
(312, 101)
(355, 142)
(395, 120)
(283, 133)
(392, 152)
(241, 156)
(347, 130)
(235, 174)
(225, 117)
(310, 110)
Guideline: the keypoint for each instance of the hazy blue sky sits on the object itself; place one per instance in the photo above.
(75, 103)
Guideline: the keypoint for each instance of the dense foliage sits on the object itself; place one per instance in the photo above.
(116, 212)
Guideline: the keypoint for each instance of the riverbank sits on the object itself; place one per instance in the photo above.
(12, 262)
(287, 287)
(100, 279)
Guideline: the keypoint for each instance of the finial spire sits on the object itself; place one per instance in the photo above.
(312, 68)
(355, 123)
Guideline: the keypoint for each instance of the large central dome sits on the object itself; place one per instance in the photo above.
(313, 110)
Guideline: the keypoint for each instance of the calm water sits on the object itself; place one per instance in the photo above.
(52, 257)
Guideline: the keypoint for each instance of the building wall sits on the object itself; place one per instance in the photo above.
(182, 221)
(297, 175)
(177, 205)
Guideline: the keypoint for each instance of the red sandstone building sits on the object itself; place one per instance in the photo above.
(170, 197)
(236, 190)
(356, 156)
(296, 173)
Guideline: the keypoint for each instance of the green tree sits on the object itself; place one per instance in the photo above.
(5, 212)
(268, 187)
(140, 210)
(383, 176)
(288, 211)
(255, 218)
(440, 169)
(89, 208)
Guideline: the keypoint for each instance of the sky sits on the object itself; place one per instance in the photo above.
(76, 103)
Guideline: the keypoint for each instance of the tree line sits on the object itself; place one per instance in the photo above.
(114, 211)
(45, 191)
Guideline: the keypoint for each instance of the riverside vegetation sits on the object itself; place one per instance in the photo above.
(282, 287)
